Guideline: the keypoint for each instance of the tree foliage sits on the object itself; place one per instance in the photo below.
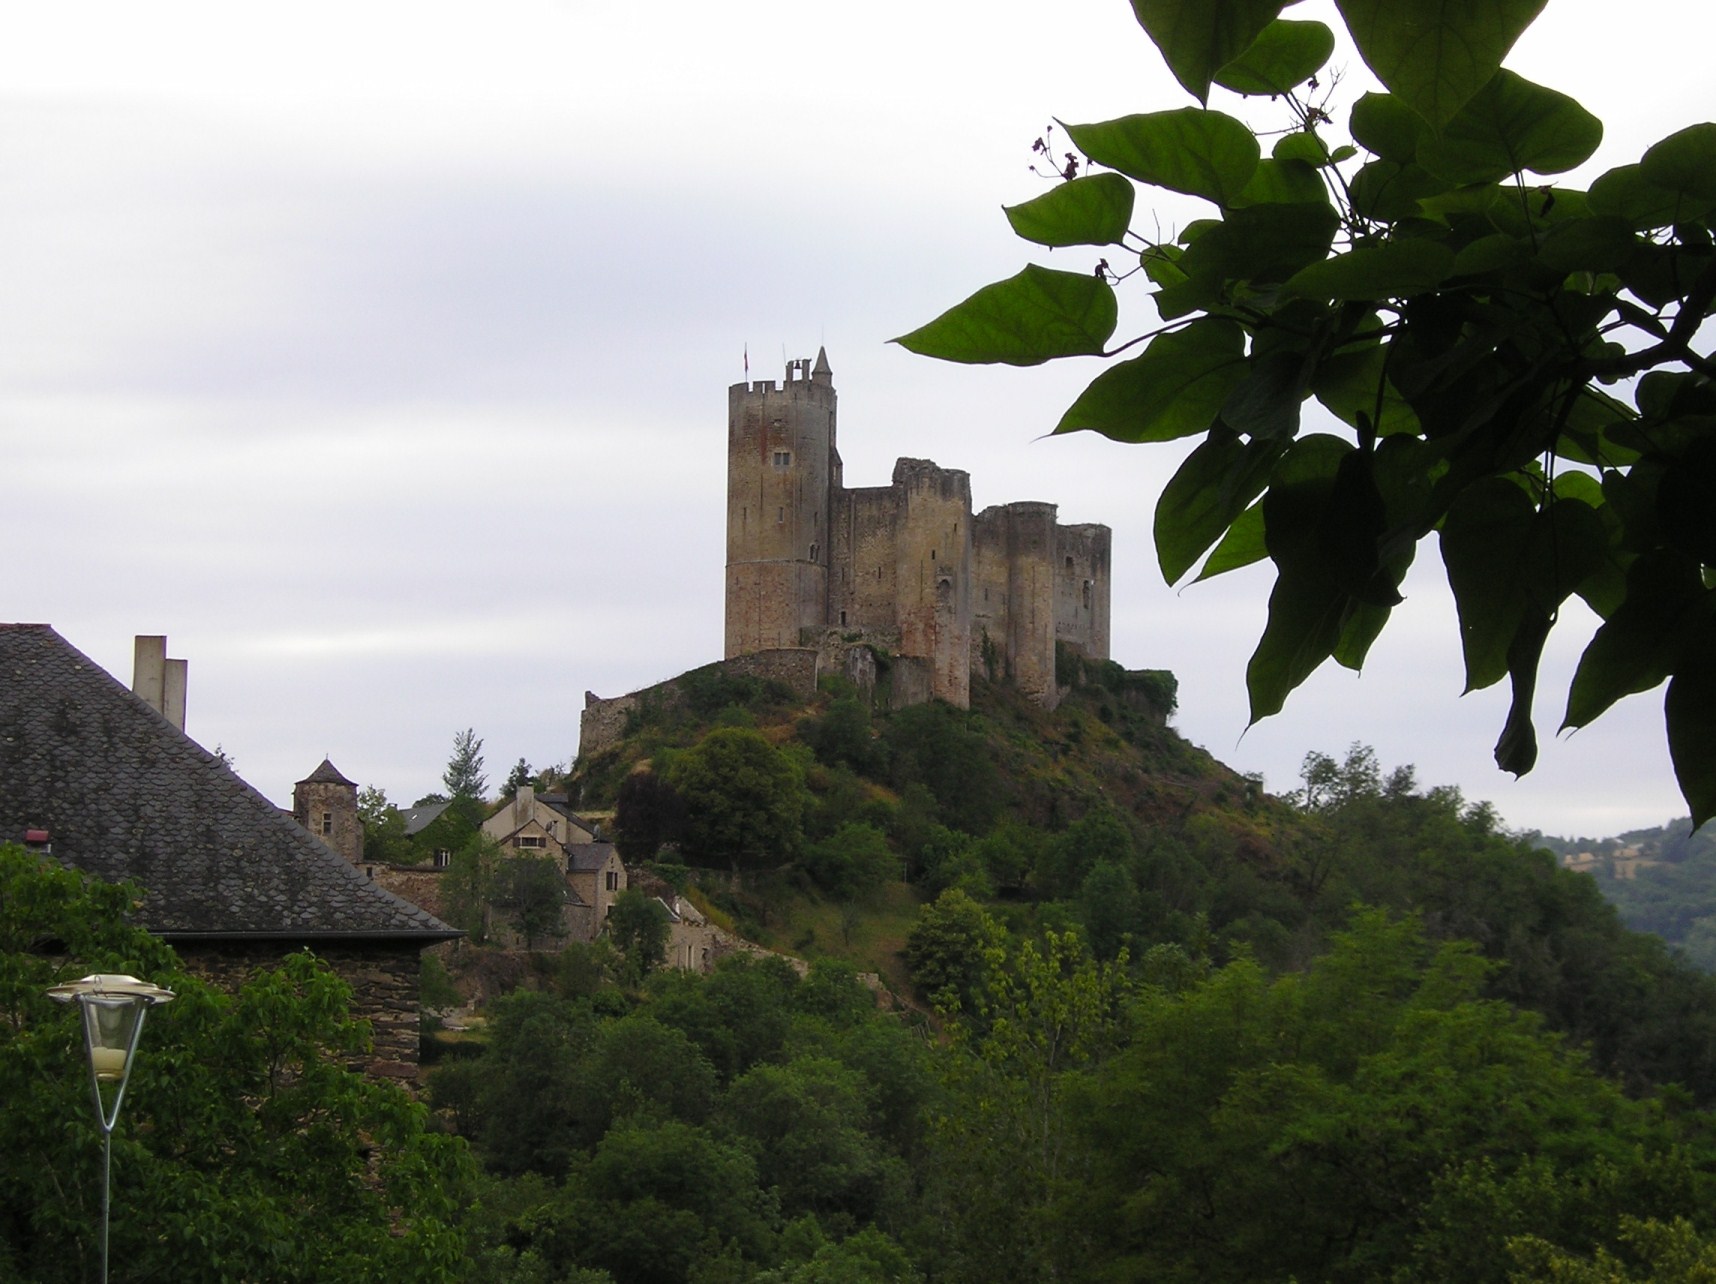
(248, 1147)
(1515, 364)
(464, 776)
(744, 800)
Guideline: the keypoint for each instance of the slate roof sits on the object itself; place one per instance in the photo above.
(327, 774)
(417, 819)
(585, 857)
(123, 794)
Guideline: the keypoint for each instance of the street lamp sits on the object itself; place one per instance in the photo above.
(113, 1007)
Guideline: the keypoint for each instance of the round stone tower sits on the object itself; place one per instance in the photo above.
(325, 803)
(782, 474)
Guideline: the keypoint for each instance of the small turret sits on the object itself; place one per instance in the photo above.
(820, 372)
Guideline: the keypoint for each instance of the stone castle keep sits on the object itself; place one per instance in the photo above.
(825, 578)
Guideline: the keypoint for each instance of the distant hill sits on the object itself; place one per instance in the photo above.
(1662, 880)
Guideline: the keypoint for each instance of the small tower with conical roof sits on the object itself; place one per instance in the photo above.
(325, 803)
(783, 474)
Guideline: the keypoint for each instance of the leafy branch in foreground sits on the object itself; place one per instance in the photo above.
(1517, 366)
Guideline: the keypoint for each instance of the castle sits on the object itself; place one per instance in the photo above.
(903, 578)
(906, 566)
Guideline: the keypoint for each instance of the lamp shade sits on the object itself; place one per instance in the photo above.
(112, 1005)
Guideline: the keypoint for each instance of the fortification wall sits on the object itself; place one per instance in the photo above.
(866, 588)
(603, 721)
(932, 559)
(1013, 551)
(1082, 588)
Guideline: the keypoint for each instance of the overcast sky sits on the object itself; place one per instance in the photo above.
(376, 353)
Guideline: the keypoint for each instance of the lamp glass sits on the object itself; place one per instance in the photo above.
(110, 1022)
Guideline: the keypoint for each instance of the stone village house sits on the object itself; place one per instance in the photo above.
(106, 781)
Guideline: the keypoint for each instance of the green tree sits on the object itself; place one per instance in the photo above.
(1371, 1118)
(948, 951)
(1463, 321)
(384, 840)
(648, 812)
(638, 926)
(464, 776)
(532, 892)
(520, 776)
(469, 886)
(248, 1145)
(853, 863)
(744, 800)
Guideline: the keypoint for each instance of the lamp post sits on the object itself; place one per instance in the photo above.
(113, 1007)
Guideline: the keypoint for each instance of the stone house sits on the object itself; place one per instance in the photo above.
(107, 782)
(534, 824)
(595, 877)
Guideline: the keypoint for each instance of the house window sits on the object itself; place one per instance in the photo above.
(783, 458)
(613, 880)
(442, 858)
(327, 823)
(529, 840)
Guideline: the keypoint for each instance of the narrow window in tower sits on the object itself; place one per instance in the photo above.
(1087, 595)
(780, 516)
(932, 555)
(813, 552)
(1069, 566)
(327, 823)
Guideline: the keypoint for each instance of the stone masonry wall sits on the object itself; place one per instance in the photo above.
(383, 977)
(1082, 577)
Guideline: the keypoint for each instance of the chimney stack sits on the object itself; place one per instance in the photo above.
(158, 681)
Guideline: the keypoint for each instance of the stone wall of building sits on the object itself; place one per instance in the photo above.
(383, 977)
(328, 810)
(1013, 623)
(1082, 588)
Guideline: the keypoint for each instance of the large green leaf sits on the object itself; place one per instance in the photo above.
(1387, 128)
(1685, 162)
(1516, 749)
(1355, 384)
(1262, 243)
(1199, 37)
(1093, 210)
(1307, 608)
(1243, 545)
(1511, 125)
(1386, 192)
(1025, 320)
(1211, 489)
(1690, 710)
(1285, 54)
(1284, 182)
(1306, 616)
(1484, 540)
(1172, 389)
(1190, 149)
(1435, 54)
(1394, 269)
(1625, 192)
(1635, 648)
